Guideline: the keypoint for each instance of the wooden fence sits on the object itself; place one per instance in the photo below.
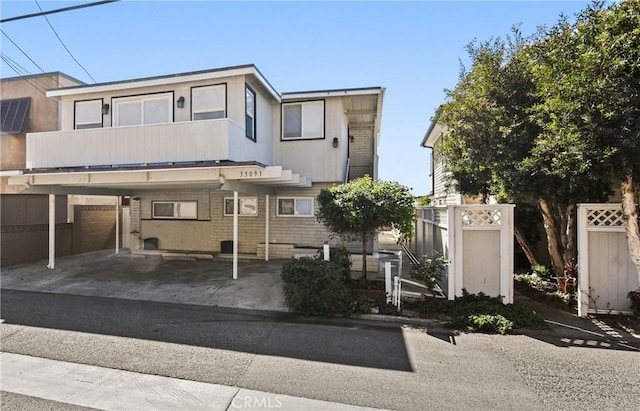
(605, 271)
(477, 240)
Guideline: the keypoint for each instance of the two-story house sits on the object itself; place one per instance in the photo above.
(186, 147)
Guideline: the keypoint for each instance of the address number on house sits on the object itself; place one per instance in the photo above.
(250, 173)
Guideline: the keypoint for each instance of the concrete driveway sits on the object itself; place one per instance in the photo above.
(153, 278)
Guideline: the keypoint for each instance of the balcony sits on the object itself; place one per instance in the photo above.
(208, 140)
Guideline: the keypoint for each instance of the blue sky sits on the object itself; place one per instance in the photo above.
(413, 49)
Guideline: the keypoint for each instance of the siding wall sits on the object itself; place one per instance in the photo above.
(261, 150)
(318, 158)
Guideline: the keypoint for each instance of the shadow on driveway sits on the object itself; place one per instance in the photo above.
(357, 343)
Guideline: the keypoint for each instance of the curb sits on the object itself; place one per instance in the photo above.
(426, 322)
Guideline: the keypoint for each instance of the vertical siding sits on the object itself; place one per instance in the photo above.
(611, 272)
(317, 159)
(483, 277)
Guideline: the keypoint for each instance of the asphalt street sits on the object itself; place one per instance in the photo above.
(347, 361)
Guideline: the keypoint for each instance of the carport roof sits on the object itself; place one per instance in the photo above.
(242, 177)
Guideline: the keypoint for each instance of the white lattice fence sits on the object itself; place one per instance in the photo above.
(481, 250)
(605, 271)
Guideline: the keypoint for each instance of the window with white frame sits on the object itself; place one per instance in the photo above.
(88, 114)
(303, 120)
(169, 210)
(208, 102)
(250, 117)
(248, 206)
(146, 109)
(295, 207)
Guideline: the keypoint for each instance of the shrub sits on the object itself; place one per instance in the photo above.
(634, 296)
(541, 271)
(341, 257)
(532, 280)
(471, 312)
(316, 287)
(430, 270)
(483, 323)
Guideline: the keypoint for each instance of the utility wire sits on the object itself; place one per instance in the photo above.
(9, 62)
(23, 52)
(79, 6)
(64, 45)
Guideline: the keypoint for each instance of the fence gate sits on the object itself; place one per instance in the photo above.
(480, 244)
(605, 271)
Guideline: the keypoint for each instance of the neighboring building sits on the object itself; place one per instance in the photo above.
(441, 191)
(24, 109)
(24, 216)
(182, 146)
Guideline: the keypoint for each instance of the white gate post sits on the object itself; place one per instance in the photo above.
(235, 235)
(583, 261)
(387, 281)
(452, 268)
(506, 253)
(52, 232)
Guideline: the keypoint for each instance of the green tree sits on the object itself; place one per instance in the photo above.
(588, 78)
(491, 137)
(359, 208)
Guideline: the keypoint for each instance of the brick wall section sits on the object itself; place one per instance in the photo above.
(361, 152)
(94, 228)
(213, 227)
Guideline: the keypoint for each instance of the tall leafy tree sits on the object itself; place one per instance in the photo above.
(361, 207)
(492, 136)
(588, 79)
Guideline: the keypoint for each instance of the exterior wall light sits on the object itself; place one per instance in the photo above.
(335, 142)
(180, 102)
(105, 109)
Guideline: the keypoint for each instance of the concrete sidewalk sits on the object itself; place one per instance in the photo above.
(111, 389)
(153, 278)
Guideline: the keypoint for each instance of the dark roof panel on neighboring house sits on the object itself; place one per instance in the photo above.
(14, 112)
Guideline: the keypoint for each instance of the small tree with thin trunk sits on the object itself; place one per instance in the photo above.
(359, 208)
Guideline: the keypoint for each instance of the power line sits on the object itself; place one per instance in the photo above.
(64, 45)
(23, 52)
(79, 6)
(9, 62)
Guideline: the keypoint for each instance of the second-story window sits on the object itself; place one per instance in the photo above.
(145, 109)
(208, 102)
(250, 117)
(303, 120)
(88, 114)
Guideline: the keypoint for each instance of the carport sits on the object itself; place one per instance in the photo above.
(252, 178)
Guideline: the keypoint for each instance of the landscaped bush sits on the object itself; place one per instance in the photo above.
(341, 257)
(481, 313)
(430, 270)
(483, 323)
(634, 296)
(316, 287)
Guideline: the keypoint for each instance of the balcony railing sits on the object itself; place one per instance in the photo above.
(149, 144)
